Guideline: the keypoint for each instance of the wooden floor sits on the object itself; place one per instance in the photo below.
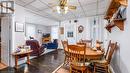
(2, 66)
(46, 63)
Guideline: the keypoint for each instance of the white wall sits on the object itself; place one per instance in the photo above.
(23, 16)
(54, 32)
(121, 60)
(87, 23)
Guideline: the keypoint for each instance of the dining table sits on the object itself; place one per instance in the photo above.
(90, 54)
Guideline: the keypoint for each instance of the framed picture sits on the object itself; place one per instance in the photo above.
(19, 27)
(80, 29)
(61, 30)
(69, 34)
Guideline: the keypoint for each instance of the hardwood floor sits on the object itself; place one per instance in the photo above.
(2, 66)
(46, 63)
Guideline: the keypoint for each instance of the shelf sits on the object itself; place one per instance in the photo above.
(116, 22)
(109, 27)
(114, 5)
(119, 23)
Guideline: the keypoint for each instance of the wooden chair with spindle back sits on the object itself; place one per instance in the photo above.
(77, 55)
(103, 65)
(108, 48)
(99, 45)
(66, 51)
(87, 42)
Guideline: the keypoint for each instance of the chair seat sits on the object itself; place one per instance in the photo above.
(103, 61)
(80, 63)
(79, 67)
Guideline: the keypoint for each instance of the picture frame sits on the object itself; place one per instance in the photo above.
(80, 29)
(19, 27)
(69, 34)
(61, 30)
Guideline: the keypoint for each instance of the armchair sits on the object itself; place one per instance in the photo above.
(37, 49)
(53, 45)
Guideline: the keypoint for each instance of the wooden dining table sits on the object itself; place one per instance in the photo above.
(90, 53)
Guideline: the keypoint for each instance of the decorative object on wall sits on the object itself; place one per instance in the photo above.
(80, 29)
(40, 31)
(61, 30)
(75, 21)
(69, 34)
(19, 27)
(116, 14)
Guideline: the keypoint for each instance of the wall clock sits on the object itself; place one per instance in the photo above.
(80, 29)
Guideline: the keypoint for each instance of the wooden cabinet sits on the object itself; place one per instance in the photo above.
(46, 39)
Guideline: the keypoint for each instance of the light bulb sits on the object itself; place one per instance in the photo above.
(58, 9)
(66, 9)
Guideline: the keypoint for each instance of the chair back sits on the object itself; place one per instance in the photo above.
(34, 45)
(108, 48)
(65, 45)
(77, 54)
(99, 44)
(87, 42)
(113, 47)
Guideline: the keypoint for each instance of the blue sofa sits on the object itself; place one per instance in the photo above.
(53, 45)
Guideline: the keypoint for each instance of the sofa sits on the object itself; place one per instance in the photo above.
(52, 45)
(34, 45)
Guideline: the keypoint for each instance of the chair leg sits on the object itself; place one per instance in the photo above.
(64, 61)
(82, 71)
(94, 69)
(70, 69)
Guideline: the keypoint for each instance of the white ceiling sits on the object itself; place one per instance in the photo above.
(84, 8)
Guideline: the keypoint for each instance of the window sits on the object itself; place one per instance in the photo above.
(30, 31)
(54, 32)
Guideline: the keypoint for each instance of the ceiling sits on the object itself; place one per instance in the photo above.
(85, 8)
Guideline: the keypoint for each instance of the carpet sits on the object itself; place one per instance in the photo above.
(64, 69)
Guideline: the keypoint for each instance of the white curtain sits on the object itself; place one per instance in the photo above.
(30, 31)
(54, 32)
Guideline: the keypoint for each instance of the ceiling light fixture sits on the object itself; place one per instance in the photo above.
(62, 10)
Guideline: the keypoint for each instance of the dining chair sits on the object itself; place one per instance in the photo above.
(77, 59)
(99, 45)
(87, 42)
(108, 48)
(66, 51)
(102, 66)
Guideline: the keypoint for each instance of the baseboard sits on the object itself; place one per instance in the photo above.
(112, 70)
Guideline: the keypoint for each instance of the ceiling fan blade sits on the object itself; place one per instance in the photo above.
(63, 2)
(72, 7)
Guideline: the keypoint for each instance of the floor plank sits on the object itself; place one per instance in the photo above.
(46, 63)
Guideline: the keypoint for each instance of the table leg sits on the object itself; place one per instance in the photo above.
(16, 62)
(28, 60)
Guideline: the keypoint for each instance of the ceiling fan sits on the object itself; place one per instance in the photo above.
(63, 7)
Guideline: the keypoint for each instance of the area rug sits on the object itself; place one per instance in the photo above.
(64, 69)
(2, 66)
(61, 69)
